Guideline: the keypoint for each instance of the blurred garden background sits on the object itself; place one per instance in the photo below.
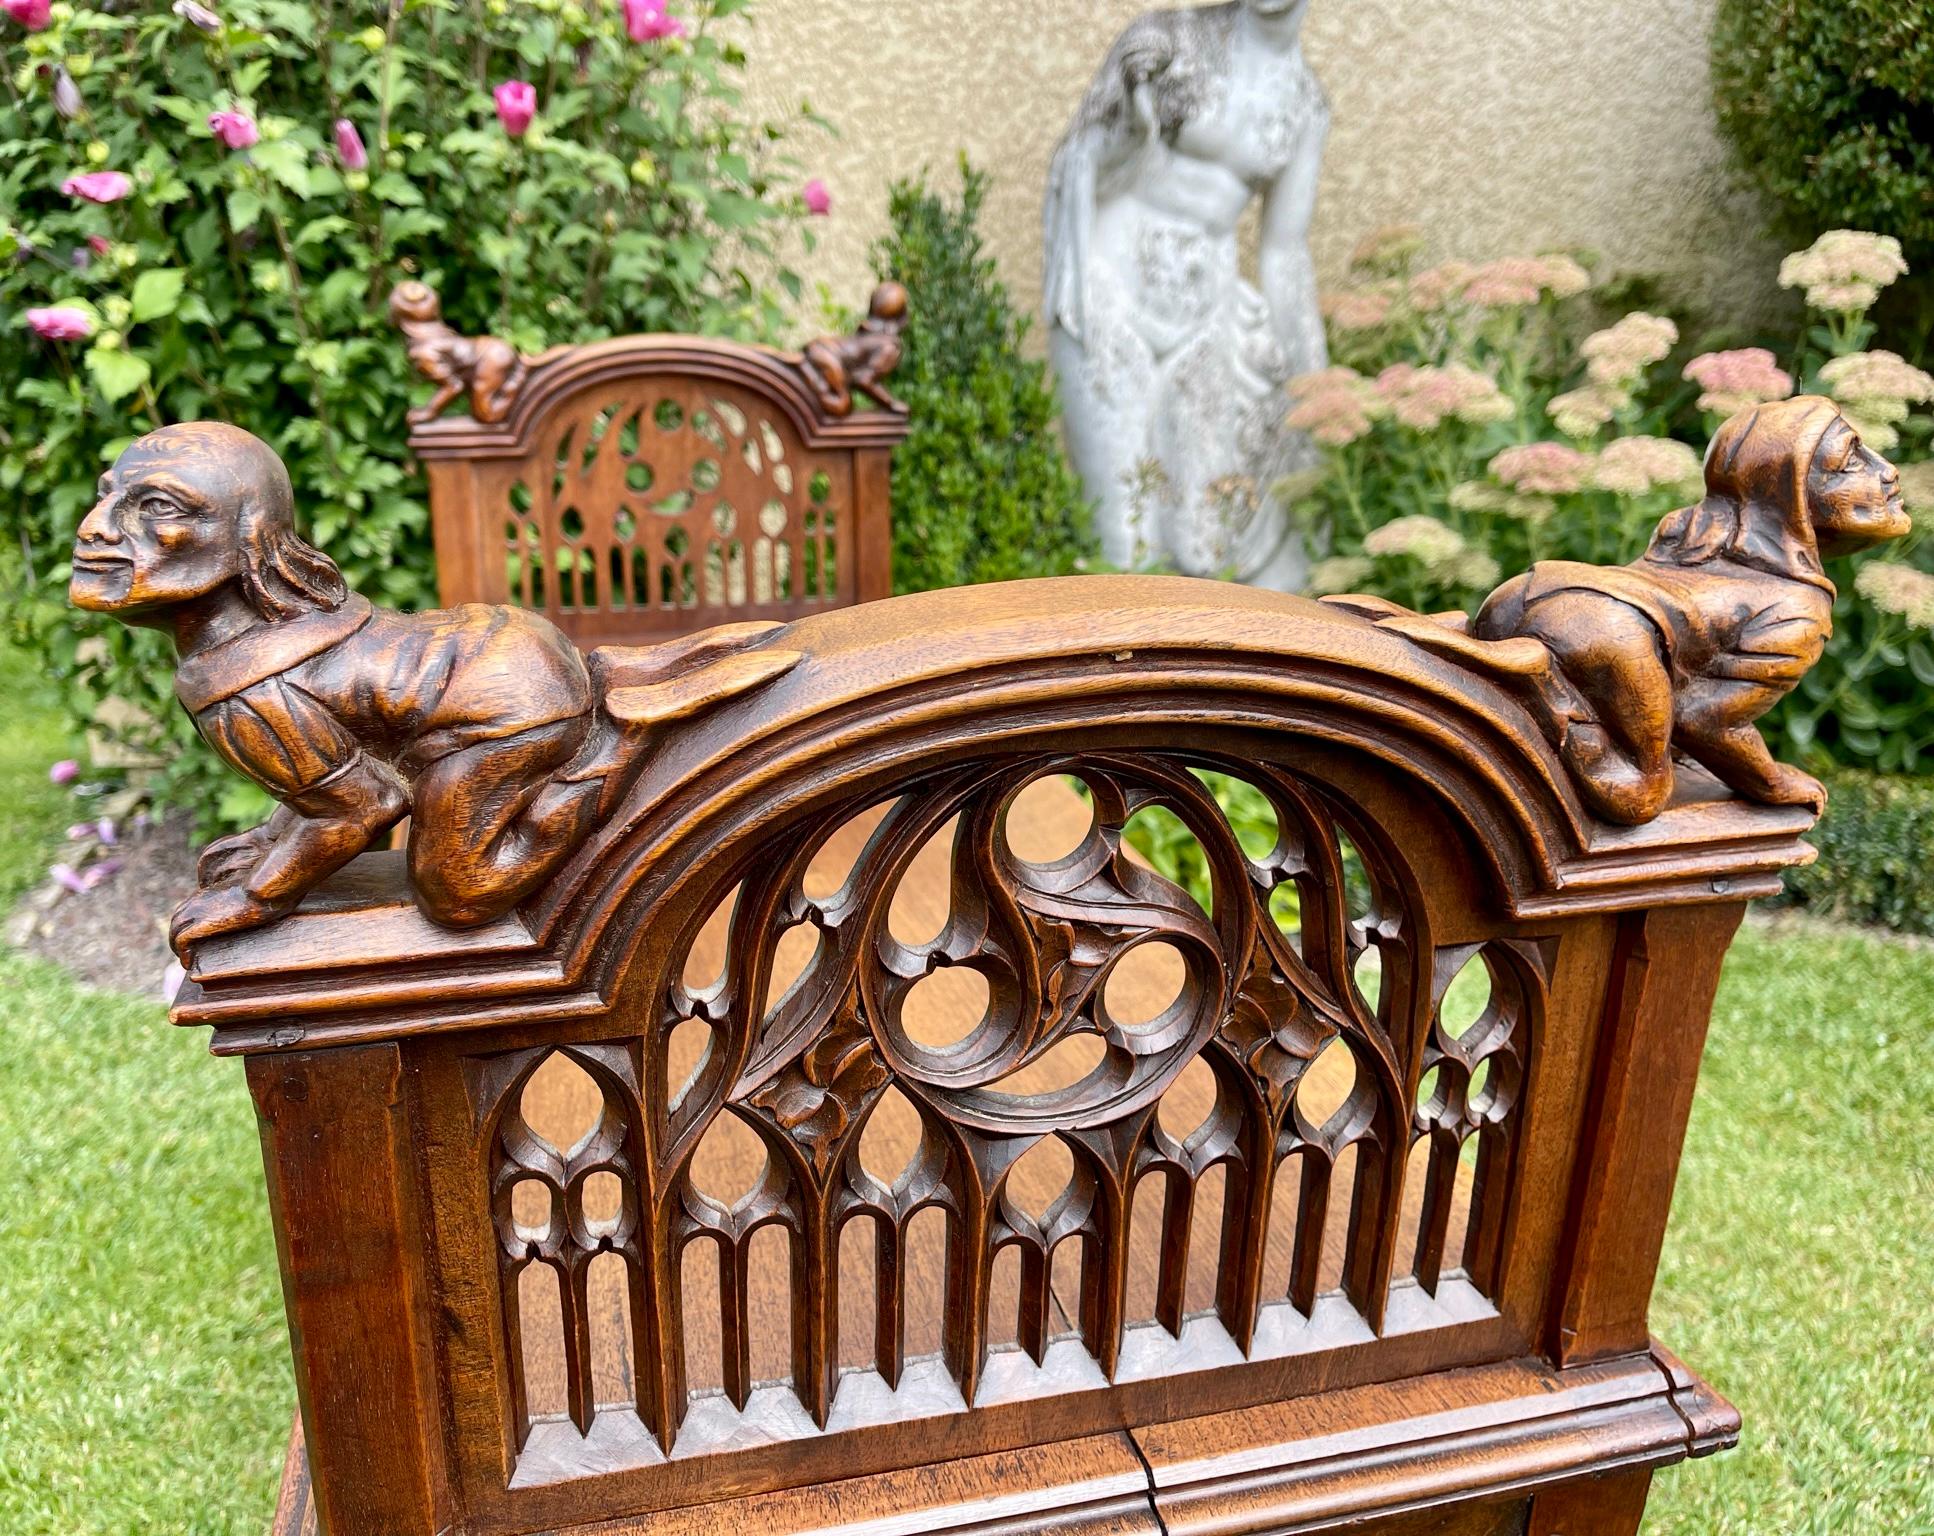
(1555, 253)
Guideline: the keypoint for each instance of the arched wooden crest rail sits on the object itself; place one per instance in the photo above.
(1461, 1381)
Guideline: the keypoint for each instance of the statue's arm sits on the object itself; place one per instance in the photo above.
(1288, 273)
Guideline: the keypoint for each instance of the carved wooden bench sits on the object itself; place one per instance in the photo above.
(788, 1105)
(652, 485)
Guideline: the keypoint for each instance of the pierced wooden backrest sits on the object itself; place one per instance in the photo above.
(649, 486)
(715, 1193)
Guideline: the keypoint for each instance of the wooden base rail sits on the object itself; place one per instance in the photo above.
(1572, 1450)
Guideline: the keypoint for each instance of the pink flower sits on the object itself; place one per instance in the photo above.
(100, 245)
(235, 129)
(646, 21)
(64, 772)
(1736, 381)
(67, 878)
(99, 186)
(516, 106)
(1545, 469)
(819, 201)
(349, 146)
(107, 831)
(61, 322)
(81, 832)
(197, 15)
(31, 14)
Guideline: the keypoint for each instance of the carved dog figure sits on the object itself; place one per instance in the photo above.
(840, 366)
(1688, 646)
(484, 725)
(491, 370)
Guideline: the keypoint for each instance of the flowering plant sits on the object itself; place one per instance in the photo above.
(203, 207)
(1476, 423)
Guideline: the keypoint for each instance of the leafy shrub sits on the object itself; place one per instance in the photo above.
(1876, 847)
(1472, 432)
(1830, 106)
(982, 490)
(247, 282)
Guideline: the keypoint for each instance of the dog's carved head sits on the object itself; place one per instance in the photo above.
(1786, 484)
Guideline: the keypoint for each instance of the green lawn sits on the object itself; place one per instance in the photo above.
(144, 1376)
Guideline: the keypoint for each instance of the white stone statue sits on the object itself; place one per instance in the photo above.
(1171, 364)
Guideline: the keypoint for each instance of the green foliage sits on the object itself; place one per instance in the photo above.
(1472, 432)
(1830, 107)
(1876, 847)
(249, 285)
(982, 490)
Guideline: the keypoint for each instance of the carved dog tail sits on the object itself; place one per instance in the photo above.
(1521, 659)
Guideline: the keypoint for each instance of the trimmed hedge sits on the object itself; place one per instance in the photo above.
(1830, 105)
(1876, 847)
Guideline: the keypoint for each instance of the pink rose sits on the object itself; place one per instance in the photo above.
(31, 14)
(62, 322)
(516, 106)
(349, 146)
(66, 770)
(100, 245)
(235, 129)
(819, 201)
(646, 21)
(99, 186)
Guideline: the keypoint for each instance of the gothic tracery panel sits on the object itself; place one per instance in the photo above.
(1267, 1093)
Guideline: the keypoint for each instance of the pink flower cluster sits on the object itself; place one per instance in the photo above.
(1618, 355)
(1877, 390)
(34, 15)
(1359, 309)
(1511, 282)
(1425, 398)
(819, 198)
(1389, 245)
(1581, 412)
(1543, 469)
(1335, 406)
(1632, 466)
(1738, 380)
(1898, 589)
(1844, 270)
(647, 22)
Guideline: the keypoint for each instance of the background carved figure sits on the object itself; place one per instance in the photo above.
(1170, 362)
(488, 369)
(840, 367)
(484, 725)
(1687, 647)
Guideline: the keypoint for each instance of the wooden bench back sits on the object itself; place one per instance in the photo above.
(652, 485)
(1397, 1145)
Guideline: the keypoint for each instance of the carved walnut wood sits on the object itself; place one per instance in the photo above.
(486, 369)
(1687, 647)
(843, 366)
(651, 485)
(484, 726)
(1410, 1109)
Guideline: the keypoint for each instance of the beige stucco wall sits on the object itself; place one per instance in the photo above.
(1501, 126)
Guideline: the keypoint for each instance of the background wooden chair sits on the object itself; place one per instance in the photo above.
(714, 1190)
(647, 486)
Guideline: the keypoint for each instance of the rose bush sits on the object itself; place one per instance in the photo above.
(1476, 423)
(202, 210)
